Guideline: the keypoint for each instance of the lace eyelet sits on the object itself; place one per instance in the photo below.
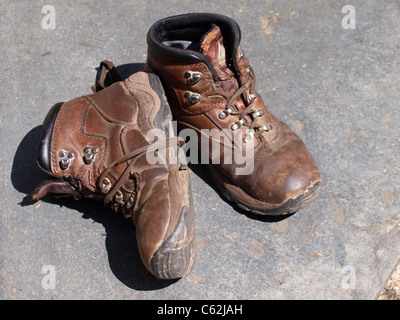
(66, 158)
(119, 197)
(192, 98)
(258, 113)
(237, 124)
(248, 70)
(106, 185)
(248, 137)
(252, 96)
(129, 203)
(265, 128)
(225, 113)
(192, 77)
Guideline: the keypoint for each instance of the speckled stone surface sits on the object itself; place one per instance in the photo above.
(337, 88)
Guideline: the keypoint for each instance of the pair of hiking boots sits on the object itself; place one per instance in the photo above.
(98, 146)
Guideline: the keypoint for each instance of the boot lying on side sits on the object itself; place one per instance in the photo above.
(95, 147)
(211, 85)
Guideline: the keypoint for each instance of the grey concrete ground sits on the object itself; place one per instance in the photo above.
(337, 88)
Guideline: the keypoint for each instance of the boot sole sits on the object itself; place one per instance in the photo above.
(290, 206)
(164, 117)
(175, 258)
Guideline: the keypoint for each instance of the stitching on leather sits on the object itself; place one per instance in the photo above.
(54, 139)
(211, 88)
(102, 114)
(101, 139)
(105, 139)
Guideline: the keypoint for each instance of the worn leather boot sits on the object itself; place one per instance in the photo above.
(95, 147)
(211, 85)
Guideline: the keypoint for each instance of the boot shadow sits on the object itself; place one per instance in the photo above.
(201, 171)
(25, 173)
(120, 242)
(124, 71)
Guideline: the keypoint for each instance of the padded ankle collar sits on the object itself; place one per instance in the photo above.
(43, 156)
(192, 27)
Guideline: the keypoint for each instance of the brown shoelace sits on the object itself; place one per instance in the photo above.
(129, 172)
(250, 96)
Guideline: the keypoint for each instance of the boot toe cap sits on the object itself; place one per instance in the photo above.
(282, 182)
(287, 182)
(174, 259)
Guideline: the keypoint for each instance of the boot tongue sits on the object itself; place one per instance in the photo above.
(212, 46)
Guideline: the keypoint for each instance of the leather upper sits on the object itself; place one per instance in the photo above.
(283, 167)
(86, 138)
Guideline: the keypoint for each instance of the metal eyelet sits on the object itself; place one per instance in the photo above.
(237, 124)
(252, 96)
(192, 77)
(248, 70)
(63, 154)
(89, 154)
(248, 137)
(192, 98)
(225, 113)
(266, 128)
(129, 203)
(119, 197)
(64, 163)
(66, 158)
(106, 185)
(257, 113)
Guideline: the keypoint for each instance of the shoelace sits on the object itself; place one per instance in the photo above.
(107, 68)
(114, 197)
(248, 89)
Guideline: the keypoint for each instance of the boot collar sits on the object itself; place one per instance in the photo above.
(192, 27)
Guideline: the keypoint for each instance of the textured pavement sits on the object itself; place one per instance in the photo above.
(337, 88)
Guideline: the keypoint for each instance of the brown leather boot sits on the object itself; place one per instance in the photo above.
(211, 85)
(95, 147)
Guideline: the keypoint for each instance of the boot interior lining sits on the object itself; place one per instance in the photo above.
(183, 44)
